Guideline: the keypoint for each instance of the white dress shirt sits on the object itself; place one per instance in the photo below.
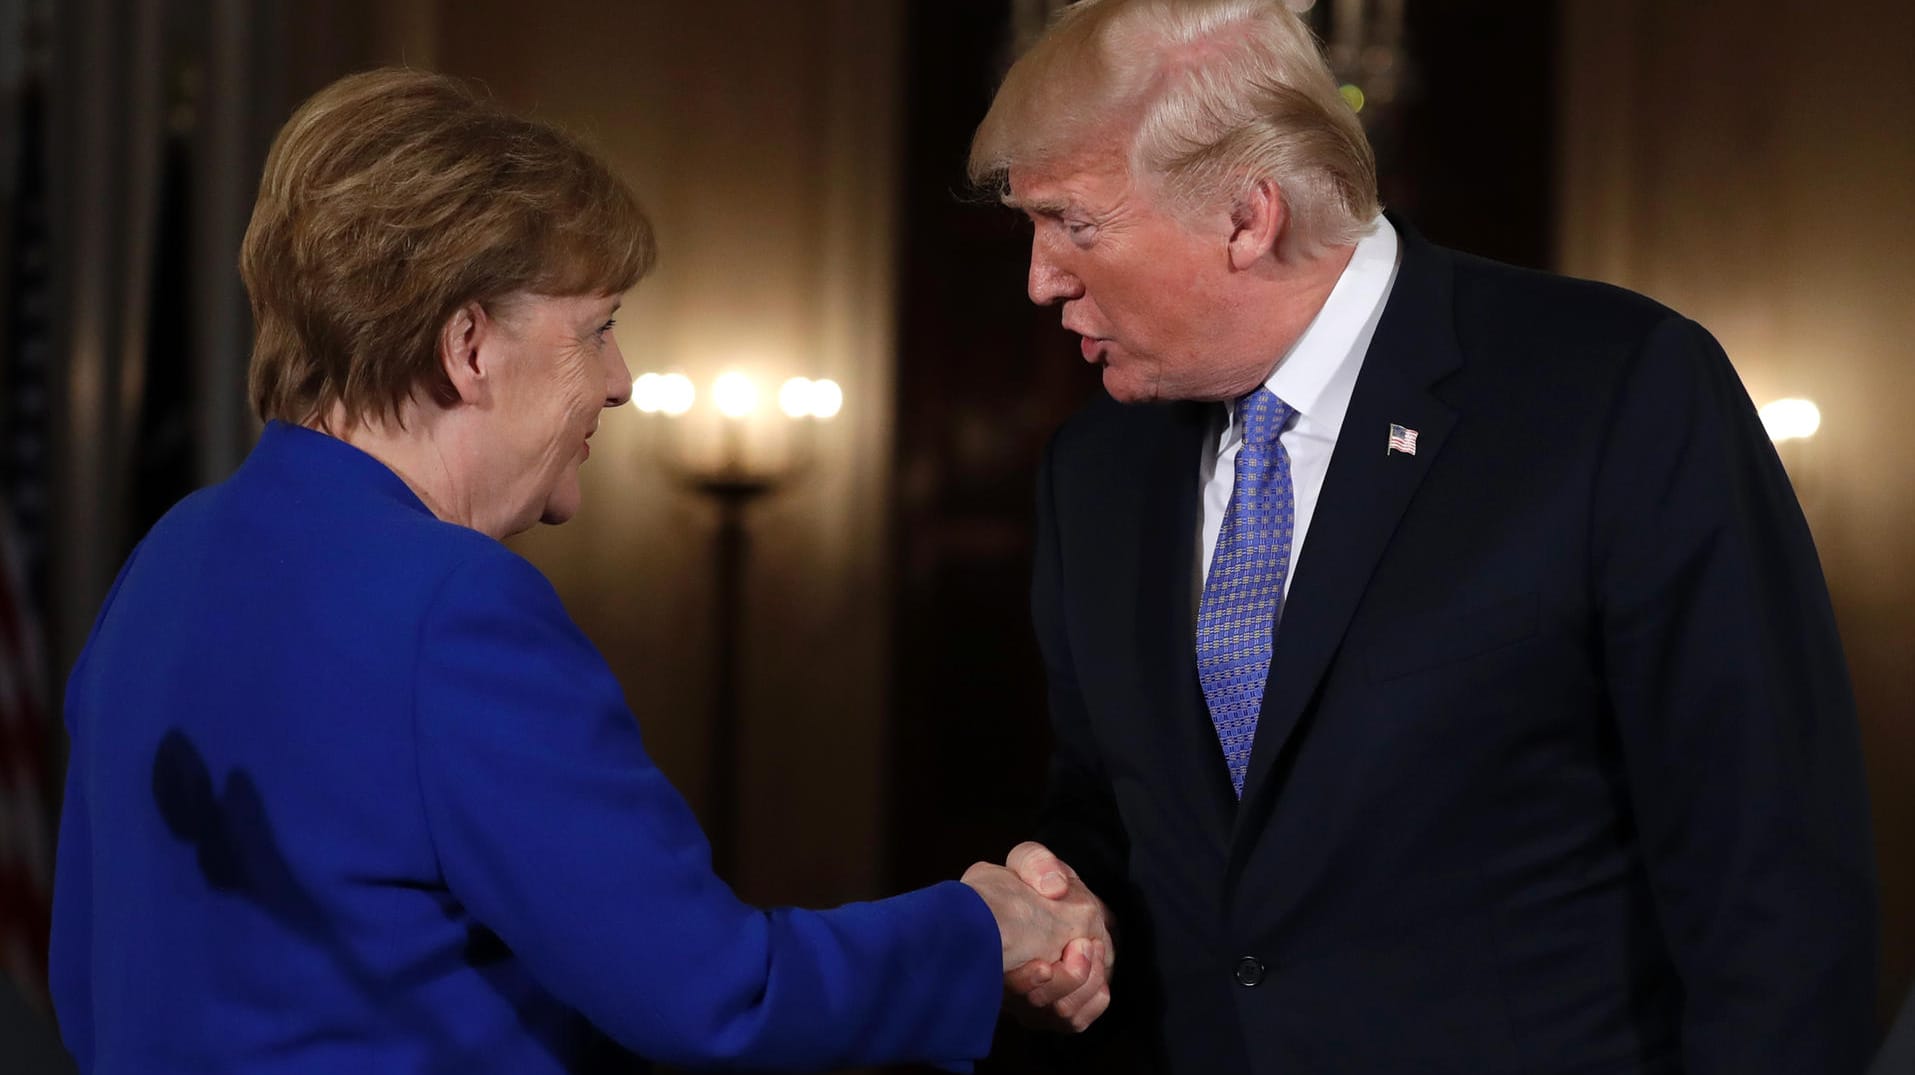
(1316, 378)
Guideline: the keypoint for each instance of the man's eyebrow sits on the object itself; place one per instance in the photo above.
(1050, 206)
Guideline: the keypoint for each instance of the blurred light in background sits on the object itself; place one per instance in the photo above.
(802, 397)
(735, 394)
(1790, 419)
(827, 399)
(664, 393)
(1353, 94)
(794, 397)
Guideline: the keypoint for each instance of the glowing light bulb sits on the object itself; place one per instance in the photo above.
(827, 399)
(794, 397)
(1790, 419)
(735, 394)
(676, 394)
(646, 393)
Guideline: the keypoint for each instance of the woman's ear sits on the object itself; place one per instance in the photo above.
(1257, 221)
(462, 340)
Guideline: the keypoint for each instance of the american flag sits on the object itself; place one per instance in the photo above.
(1401, 440)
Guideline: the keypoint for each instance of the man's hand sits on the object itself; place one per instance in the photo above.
(1071, 992)
(1033, 926)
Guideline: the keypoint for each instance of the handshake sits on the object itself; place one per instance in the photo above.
(1056, 937)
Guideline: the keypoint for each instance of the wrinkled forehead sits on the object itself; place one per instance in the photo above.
(1093, 172)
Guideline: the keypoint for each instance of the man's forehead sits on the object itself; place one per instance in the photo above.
(1033, 187)
(1051, 187)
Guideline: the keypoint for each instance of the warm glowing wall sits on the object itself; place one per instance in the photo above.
(1752, 164)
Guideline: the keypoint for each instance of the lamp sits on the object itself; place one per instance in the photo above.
(1790, 419)
(716, 455)
(1792, 425)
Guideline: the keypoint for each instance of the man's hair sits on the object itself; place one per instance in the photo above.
(392, 198)
(1214, 95)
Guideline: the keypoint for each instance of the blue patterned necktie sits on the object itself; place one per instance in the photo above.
(1236, 619)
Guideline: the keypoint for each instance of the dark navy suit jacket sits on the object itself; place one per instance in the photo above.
(349, 792)
(1557, 768)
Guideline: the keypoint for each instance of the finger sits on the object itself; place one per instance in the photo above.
(1078, 1000)
(1021, 980)
(1091, 1011)
(1023, 853)
(1037, 867)
(1068, 975)
(1080, 959)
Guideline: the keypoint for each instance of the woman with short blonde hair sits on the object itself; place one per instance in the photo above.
(349, 791)
(388, 200)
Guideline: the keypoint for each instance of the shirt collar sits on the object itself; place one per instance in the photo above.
(1316, 376)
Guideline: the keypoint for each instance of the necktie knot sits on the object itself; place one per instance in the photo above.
(1263, 416)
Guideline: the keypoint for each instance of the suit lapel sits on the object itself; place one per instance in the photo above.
(1166, 630)
(1364, 494)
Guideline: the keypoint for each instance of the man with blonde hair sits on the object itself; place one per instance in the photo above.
(1442, 675)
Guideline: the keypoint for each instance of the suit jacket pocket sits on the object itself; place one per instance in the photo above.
(1430, 641)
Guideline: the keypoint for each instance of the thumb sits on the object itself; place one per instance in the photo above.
(1036, 866)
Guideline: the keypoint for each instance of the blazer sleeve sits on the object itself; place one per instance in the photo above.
(1736, 722)
(555, 830)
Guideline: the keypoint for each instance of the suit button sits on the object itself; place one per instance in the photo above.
(1249, 971)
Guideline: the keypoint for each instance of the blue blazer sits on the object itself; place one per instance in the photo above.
(349, 792)
(1557, 767)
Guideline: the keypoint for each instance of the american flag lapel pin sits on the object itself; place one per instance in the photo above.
(1401, 440)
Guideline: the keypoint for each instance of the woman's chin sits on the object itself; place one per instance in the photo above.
(559, 510)
(563, 503)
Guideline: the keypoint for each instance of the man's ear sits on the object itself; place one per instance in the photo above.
(1257, 221)
(462, 351)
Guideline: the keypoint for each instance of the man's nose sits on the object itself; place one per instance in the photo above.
(1049, 283)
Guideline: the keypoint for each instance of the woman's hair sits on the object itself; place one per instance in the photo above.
(1213, 96)
(391, 199)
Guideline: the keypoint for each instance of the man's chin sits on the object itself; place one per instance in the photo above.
(1126, 389)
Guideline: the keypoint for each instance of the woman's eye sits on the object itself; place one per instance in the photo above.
(606, 327)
